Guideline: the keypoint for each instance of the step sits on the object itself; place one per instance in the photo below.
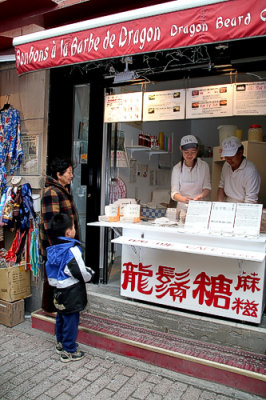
(105, 301)
(221, 364)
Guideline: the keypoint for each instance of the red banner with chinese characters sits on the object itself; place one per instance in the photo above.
(226, 21)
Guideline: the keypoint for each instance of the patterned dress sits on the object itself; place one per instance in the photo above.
(10, 143)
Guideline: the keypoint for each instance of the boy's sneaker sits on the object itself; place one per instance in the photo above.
(76, 356)
(58, 347)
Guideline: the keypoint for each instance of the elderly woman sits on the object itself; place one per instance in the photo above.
(56, 199)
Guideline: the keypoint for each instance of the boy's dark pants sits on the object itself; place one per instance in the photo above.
(67, 330)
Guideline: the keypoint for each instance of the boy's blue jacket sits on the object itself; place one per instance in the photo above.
(67, 273)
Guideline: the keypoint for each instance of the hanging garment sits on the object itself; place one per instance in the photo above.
(118, 190)
(34, 252)
(26, 207)
(7, 212)
(10, 142)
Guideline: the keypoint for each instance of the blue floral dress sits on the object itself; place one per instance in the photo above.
(10, 143)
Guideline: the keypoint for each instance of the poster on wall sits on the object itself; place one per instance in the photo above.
(249, 98)
(164, 105)
(125, 107)
(209, 101)
(30, 164)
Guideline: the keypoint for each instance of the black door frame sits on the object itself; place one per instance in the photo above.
(60, 141)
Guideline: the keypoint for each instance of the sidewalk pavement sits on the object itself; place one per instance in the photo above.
(31, 369)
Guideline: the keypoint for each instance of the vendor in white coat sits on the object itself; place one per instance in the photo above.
(240, 180)
(191, 176)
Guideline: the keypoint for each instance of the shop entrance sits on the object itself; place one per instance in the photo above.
(75, 126)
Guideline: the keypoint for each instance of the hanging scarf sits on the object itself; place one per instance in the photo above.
(26, 207)
(34, 251)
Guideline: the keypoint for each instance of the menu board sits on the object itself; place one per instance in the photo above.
(249, 98)
(209, 101)
(124, 107)
(222, 217)
(248, 219)
(164, 105)
(198, 214)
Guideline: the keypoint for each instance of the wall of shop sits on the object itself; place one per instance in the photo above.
(29, 95)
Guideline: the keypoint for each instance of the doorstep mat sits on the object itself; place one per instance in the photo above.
(198, 349)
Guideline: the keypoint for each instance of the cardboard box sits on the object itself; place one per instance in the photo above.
(11, 314)
(14, 283)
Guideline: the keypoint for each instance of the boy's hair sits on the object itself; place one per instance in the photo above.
(59, 225)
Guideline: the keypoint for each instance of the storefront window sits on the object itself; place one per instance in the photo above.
(80, 150)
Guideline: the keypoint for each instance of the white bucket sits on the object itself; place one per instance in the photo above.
(226, 131)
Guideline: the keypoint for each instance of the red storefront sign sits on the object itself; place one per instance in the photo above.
(225, 21)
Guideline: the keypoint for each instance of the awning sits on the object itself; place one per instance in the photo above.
(170, 25)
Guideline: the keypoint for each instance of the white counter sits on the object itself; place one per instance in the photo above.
(219, 275)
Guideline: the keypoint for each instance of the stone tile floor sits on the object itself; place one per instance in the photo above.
(30, 369)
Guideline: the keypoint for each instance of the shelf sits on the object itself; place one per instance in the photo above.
(147, 149)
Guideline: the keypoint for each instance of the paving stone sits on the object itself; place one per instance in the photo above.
(105, 394)
(92, 363)
(154, 378)
(115, 370)
(6, 377)
(129, 371)
(38, 390)
(95, 373)
(124, 392)
(6, 388)
(99, 384)
(42, 397)
(163, 386)
(77, 387)
(138, 377)
(191, 393)
(41, 375)
(57, 389)
(85, 395)
(153, 396)
(64, 396)
(77, 375)
(117, 382)
(143, 390)
(19, 391)
(175, 391)
(207, 396)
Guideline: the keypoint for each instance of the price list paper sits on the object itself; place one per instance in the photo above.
(164, 105)
(248, 219)
(209, 101)
(198, 214)
(249, 98)
(123, 107)
(222, 217)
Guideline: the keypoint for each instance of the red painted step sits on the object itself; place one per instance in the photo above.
(237, 368)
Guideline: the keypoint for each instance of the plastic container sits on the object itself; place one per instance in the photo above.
(161, 140)
(238, 133)
(255, 133)
(226, 131)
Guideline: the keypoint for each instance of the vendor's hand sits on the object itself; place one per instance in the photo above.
(187, 199)
(197, 198)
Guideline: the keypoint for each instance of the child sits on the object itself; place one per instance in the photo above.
(67, 273)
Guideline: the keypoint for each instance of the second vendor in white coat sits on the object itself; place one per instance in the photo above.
(191, 176)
